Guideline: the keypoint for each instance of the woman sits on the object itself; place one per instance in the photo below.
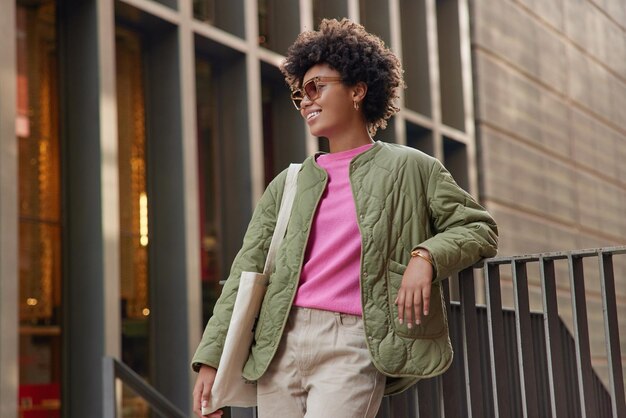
(353, 310)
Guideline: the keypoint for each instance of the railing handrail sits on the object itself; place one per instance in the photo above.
(555, 255)
(114, 369)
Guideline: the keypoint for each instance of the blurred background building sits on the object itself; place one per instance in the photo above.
(137, 135)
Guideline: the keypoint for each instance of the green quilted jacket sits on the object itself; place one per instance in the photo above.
(404, 199)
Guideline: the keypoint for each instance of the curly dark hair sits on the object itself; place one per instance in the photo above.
(358, 56)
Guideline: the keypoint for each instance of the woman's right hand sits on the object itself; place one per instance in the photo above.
(202, 391)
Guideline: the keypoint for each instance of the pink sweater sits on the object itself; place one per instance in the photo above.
(330, 275)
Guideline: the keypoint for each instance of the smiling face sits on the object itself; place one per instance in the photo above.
(332, 113)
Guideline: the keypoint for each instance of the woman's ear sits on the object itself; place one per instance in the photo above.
(359, 91)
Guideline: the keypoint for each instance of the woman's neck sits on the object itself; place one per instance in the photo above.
(349, 140)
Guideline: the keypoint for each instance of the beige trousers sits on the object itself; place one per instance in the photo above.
(322, 369)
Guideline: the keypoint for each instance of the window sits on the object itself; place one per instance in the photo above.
(134, 216)
(279, 24)
(226, 15)
(40, 217)
(208, 170)
(283, 128)
(328, 9)
(450, 68)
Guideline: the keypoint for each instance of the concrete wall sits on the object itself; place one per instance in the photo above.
(550, 86)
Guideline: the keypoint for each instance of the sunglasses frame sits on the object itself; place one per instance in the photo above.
(317, 81)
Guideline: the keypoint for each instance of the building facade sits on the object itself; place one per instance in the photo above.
(550, 94)
(137, 135)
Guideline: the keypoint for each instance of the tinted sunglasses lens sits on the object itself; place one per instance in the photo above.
(310, 89)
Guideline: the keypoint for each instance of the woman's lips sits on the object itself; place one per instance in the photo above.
(312, 115)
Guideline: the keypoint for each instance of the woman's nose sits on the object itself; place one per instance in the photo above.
(305, 101)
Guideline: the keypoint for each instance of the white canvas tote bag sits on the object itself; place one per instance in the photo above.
(230, 388)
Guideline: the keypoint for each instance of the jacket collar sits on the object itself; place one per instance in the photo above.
(357, 160)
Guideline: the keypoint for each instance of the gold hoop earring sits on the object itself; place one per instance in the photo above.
(356, 105)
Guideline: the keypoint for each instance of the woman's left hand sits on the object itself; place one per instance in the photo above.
(414, 295)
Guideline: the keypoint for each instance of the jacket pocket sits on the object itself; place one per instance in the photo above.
(432, 326)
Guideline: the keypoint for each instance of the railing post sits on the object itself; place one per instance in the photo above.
(427, 398)
(499, 365)
(525, 352)
(581, 337)
(471, 346)
(109, 401)
(450, 399)
(554, 346)
(611, 332)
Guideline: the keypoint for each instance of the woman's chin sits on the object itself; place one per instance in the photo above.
(318, 130)
(315, 132)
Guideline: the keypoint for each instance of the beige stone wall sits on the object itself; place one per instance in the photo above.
(550, 91)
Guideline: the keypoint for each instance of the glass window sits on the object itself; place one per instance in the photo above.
(283, 128)
(40, 222)
(455, 160)
(134, 216)
(328, 9)
(169, 3)
(374, 15)
(420, 138)
(268, 131)
(279, 24)
(226, 15)
(208, 169)
(450, 71)
(415, 56)
(389, 133)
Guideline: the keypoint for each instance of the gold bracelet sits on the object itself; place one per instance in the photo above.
(417, 253)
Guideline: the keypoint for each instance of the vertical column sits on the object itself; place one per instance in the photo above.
(306, 16)
(468, 96)
(247, 76)
(92, 250)
(174, 253)
(396, 45)
(306, 23)
(433, 71)
(354, 12)
(253, 77)
(8, 214)
(193, 313)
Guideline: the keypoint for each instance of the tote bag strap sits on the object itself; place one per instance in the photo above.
(289, 194)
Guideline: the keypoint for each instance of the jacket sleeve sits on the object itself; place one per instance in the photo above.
(464, 232)
(251, 257)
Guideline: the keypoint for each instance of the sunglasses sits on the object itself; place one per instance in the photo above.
(311, 89)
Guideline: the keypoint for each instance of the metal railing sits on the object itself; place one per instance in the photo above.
(514, 363)
(553, 337)
(509, 362)
(112, 370)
